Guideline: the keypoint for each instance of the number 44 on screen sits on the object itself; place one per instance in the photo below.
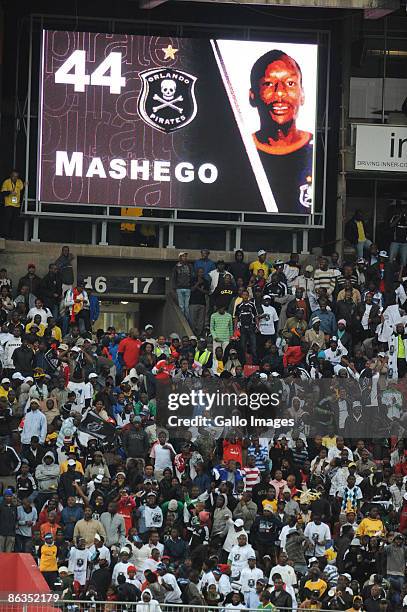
(107, 74)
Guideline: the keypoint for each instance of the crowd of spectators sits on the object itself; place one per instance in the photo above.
(116, 505)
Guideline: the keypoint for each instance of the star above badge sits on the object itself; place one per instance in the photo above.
(169, 52)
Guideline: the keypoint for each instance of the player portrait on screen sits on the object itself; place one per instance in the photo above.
(286, 152)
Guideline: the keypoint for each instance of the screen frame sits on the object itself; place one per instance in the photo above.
(315, 219)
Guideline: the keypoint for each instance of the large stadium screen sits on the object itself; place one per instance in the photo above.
(181, 123)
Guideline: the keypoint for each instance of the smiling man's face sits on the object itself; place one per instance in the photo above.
(280, 90)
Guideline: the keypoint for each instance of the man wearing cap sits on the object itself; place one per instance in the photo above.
(150, 515)
(268, 321)
(135, 440)
(122, 565)
(249, 577)
(99, 554)
(315, 335)
(382, 273)
(181, 282)
(167, 580)
(78, 560)
(234, 529)
(239, 555)
(71, 482)
(305, 281)
(260, 264)
(48, 560)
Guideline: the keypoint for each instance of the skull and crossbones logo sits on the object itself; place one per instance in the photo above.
(167, 98)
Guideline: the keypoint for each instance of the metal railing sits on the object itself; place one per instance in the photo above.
(46, 602)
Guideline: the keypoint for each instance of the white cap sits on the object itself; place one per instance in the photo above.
(266, 297)
(28, 379)
(17, 376)
(71, 462)
(92, 375)
(383, 254)
(149, 326)
(261, 252)
(63, 569)
(182, 253)
(5, 380)
(97, 537)
(263, 376)
(124, 549)
(238, 523)
(75, 349)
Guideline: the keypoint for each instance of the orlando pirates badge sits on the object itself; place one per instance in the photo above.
(167, 100)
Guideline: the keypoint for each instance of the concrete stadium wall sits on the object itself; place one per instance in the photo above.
(15, 256)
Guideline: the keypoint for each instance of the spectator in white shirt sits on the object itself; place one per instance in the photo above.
(239, 555)
(336, 451)
(249, 577)
(40, 310)
(286, 571)
(162, 453)
(35, 424)
(319, 534)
